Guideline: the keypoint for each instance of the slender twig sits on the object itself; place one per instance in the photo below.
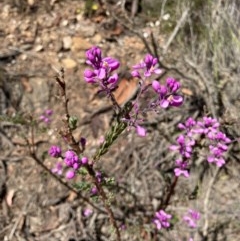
(206, 201)
(170, 193)
(204, 85)
(21, 216)
(104, 200)
(155, 48)
(176, 29)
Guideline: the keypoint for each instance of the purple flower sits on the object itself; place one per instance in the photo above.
(70, 174)
(172, 85)
(90, 76)
(148, 65)
(160, 89)
(94, 191)
(84, 160)
(218, 146)
(55, 151)
(113, 80)
(49, 112)
(87, 212)
(215, 156)
(110, 64)
(189, 124)
(102, 70)
(45, 119)
(215, 140)
(58, 168)
(98, 176)
(168, 94)
(161, 219)
(208, 124)
(184, 146)
(94, 57)
(181, 168)
(72, 160)
(136, 74)
(222, 137)
(102, 66)
(141, 131)
(192, 218)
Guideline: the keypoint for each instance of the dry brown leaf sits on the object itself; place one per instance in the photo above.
(126, 90)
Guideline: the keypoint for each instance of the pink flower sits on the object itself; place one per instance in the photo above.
(70, 174)
(148, 65)
(102, 67)
(84, 160)
(161, 219)
(71, 158)
(168, 93)
(94, 191)
(181, 168)
(192, 218)
(87, 212)
(58, 168)
(141, 131)
(55, 151)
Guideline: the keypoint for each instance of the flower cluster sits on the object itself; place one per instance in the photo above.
(101, 73)
(148, 65)
(181, 168)
(70, 159)
(55, 151)
(207, 129)
(161, 219)
(167, 94)
(102, 70)
(192, 218)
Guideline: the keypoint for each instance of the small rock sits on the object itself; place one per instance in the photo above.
(79, 43)
(69, 63)
(31, 2)
(67, 42)
(133, 43)
(86, 30)
(23, 57)
(58, 46)
(36, 94)
(38, 48)
(97, 38)
(64, 23)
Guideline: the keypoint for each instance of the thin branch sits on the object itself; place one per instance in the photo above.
(206, 202)
(175, 31)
